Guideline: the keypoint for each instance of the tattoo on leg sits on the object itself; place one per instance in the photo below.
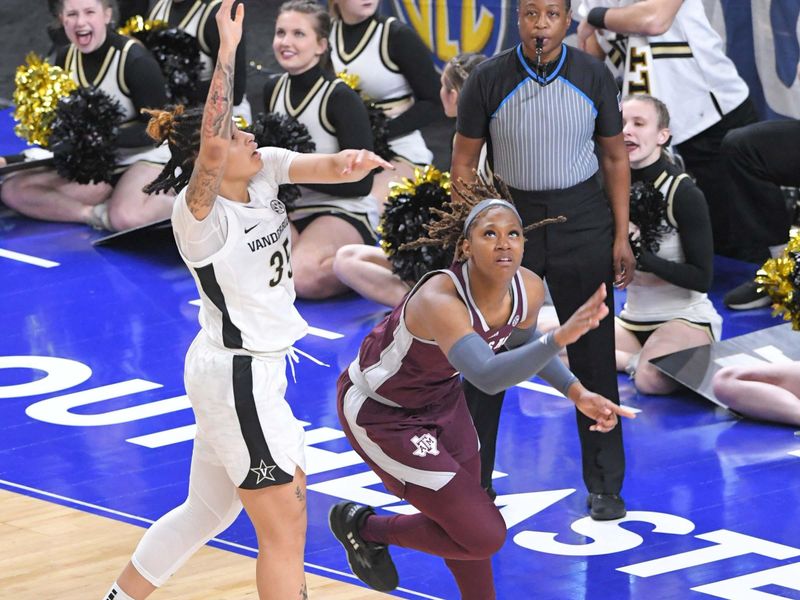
(303, 592)
(299, 493)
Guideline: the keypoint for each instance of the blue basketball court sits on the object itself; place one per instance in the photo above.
(94, 417)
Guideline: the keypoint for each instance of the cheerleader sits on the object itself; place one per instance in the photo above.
(395, 70)
(325, 217)
(97, 56)
(198, 19)
(666, 308)
(365, 268)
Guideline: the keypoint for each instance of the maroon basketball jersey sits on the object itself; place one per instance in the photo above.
(398, 369)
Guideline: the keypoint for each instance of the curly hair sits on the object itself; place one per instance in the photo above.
(448, 229)
(180, 127)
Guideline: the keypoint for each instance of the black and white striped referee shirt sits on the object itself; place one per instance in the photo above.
(540, 137)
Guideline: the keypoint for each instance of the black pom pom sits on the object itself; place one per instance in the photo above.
(379, 123)
(84, 129)
(648, 211)
(282, 131)
(178, 55)
(404, 219)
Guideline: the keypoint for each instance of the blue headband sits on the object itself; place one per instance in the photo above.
(486, 205)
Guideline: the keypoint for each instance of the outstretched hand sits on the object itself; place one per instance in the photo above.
(356, 164)
(601, 410)
(586, 318)
(229, 24)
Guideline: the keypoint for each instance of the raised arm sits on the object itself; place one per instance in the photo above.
(647, 17)
(217, 126)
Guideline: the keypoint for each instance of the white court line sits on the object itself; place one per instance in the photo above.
(323, 333)
(27, 258)
(216, 540)
(795, 453)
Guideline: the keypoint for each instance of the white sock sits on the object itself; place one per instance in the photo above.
(776, 251)
(116, 593)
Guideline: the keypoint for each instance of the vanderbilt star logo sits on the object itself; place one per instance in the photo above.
(264, 471)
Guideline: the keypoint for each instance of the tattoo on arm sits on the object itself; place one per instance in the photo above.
(219, 105)
(217, 126)
(303, 592)
(299, 494)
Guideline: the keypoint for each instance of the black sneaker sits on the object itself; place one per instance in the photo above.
(370, 562)
(606, 507)
(746, 297)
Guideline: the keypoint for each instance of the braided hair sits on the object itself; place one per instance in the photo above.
(458, 68)
(448, 229)
(180, 127)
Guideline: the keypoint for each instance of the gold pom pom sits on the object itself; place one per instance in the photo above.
(39, 87)
(780, 278)
(428, 174)
(240, 122)
(137, 24)
(351, 79)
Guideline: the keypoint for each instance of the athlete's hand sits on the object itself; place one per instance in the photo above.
(601, 410)
(229, 24)
(586, 318)
(354, 165)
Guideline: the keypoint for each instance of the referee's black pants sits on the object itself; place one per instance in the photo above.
(574, 257)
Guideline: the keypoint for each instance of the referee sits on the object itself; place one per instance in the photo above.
(541, 117)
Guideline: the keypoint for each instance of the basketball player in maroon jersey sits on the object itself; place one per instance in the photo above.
(402, 407)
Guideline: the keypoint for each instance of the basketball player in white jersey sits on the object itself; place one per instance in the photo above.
(233, 234)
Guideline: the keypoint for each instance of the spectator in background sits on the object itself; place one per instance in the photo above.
(766, 152)
(669, 49)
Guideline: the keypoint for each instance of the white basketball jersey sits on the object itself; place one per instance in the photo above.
(246, 288)
(686, 68)
(379, 78)
(194, 24)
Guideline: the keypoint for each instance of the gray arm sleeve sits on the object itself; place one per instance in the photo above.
(554, 372)
(493, 373)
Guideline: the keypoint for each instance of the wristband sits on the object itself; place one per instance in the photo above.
(597, 17)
